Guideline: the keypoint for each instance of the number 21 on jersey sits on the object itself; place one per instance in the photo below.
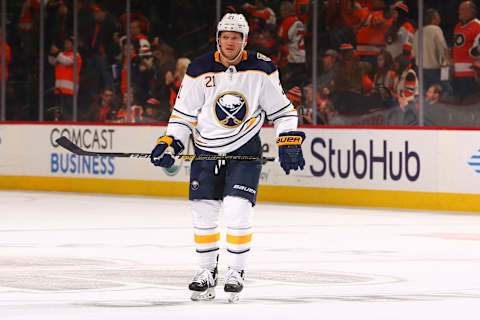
(210, 81)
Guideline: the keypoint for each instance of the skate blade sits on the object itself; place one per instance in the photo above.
(206, 295)
(233, 297)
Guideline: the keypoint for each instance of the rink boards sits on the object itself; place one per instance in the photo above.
(398, 168)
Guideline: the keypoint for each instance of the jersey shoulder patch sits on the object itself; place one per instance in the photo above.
(263, 57)
(259, 62)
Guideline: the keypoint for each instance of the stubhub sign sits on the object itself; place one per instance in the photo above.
(359, 162)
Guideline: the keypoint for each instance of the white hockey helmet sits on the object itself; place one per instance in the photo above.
(235, 22)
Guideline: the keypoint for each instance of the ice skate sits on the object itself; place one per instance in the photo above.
(203, 285)
(233, 284)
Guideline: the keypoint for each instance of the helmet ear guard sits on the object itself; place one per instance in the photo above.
(234, 22)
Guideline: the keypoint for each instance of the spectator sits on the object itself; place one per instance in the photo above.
(164, 60)
(384, 75)
(302, 10)
(435, 50)
(259, 10)
(431, 114)
(104, 109)
(100, 50)
(351, 82)
(329, 70)
(399, 37)
(134, 68)
(138, 39)
(341, 13)
(466, 50)
(28, 28)
(371, 38)
(64, 77)
(433, 94)
(145, 77)
(173, 81)
(58, 22)
(356, 17)
(339, 19)
(137, 16)
(8, 57)
(155, 111)
(405, 82)
(136, 110)
(292, 31)
(406, 114)
(325, 108)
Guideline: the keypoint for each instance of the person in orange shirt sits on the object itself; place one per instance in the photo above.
(8, 57)
(136, 110)
(104, 109)
(64, 74)
(371, 38)
(291, 32)
(262, 11)
(134, 68)
(174, 81)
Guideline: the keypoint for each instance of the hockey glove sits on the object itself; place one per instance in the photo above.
(163, 154)
(290, 150)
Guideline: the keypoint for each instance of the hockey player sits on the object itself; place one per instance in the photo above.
(223, 101)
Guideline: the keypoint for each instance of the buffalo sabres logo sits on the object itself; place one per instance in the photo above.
(230, 109)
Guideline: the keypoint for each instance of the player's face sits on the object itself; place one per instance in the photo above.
(230, 43)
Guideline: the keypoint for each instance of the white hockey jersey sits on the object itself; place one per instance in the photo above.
(225, 107)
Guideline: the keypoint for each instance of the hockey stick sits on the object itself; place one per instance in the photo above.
(73, 148)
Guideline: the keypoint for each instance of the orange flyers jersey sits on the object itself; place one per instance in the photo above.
(292, 31)
(357, 18)
(371, 39)
(467, 38)
(267, 13)
(403, 42)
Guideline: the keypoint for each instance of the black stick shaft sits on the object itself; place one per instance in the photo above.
(72, 147)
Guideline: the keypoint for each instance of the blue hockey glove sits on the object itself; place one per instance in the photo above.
(290, 150)
(163, 154)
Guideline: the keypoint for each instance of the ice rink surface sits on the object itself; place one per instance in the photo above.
(74, 256)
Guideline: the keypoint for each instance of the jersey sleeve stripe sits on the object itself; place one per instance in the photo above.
(281, 109)
(285, 116)
(193, 123)
(180, 123)
(185, 114)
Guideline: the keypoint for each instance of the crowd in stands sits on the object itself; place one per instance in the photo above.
(368, 55)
